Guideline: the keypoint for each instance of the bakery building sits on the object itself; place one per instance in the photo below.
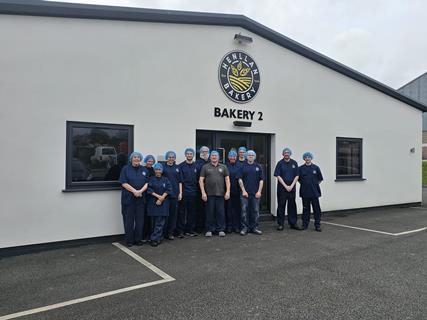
(81, 86)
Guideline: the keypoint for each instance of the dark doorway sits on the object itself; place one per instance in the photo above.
(224, 141)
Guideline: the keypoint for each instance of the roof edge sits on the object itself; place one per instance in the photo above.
(89, 11)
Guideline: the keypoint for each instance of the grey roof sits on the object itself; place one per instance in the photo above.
(85, 11)
(417, 90)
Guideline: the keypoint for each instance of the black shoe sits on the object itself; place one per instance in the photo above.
(318, 229)
(171, 237)
(128, 244)
(154, 243)
(237, 231)
(139, 243)
(304, 227)
(295, 227)
(228, 230)
(280, 228)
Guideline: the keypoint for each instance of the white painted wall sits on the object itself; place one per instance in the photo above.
(163, 79)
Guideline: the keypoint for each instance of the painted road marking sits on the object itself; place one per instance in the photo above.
(165, 278)
(374, 231)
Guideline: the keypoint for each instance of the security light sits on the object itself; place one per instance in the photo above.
(242, 39)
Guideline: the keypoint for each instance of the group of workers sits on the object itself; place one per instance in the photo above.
(206, 196)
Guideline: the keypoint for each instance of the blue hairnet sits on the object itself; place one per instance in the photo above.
(168, 153)
(158, 166)
(307, 154)
(251, 153)
(148, 157)
(214, 153)
(189, 150)
(203, 147)
(232, 153)
(287, 150)
(136, 153)
(242, 149)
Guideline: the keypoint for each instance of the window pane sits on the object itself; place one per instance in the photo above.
(98, 152)
(349, 157)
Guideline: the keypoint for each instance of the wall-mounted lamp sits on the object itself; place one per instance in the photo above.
(242, 123)
(242, 39)
(412, 150)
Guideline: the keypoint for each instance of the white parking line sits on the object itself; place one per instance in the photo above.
(165, 278)
(375, 231)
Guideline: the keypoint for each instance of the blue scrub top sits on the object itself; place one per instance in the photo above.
(158, 185)
(251, 175)
(199, 164)
(233, 170)
(287, 171)
(310, 178)
(137, 177)
(188, 178)
(173, 173)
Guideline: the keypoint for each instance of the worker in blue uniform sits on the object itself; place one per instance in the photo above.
(242, 155)
(173, 173)
(251, 181)
(204, 153)
(287, 174)
(134, 182)
(149, 161)
(232, 206)
(159, 189)
(310, 178)
(187, 207)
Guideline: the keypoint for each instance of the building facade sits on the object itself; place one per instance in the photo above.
(81, 86)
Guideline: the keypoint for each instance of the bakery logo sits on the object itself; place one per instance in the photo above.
(239, 76)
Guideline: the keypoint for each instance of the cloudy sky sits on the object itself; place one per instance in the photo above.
(384, 39)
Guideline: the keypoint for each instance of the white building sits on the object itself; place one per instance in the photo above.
(82, 85)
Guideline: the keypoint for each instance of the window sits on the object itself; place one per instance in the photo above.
(96, 152)
(349, 158)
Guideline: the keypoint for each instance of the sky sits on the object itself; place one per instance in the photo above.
(382, 39)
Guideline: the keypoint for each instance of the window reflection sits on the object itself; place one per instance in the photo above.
(98, 151)
(349, 157)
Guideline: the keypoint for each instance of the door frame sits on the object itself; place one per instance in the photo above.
(250, 140)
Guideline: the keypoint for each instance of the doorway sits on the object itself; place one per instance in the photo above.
(224, 141)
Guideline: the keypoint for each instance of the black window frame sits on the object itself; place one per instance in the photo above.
(70, 185)
(349, 177)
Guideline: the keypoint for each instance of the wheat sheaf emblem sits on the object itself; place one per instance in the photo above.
(238, 77)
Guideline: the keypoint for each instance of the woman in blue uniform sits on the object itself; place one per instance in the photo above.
(133, 178)
(148, 227)
(159, 189)
(310, 178)
(149, 162)
(173, 173)
(232, 205)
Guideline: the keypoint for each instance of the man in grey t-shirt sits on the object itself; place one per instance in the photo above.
(215, 187)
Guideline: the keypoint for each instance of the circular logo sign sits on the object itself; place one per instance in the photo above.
(239, 76)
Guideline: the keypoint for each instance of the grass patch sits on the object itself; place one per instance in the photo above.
(424, 173)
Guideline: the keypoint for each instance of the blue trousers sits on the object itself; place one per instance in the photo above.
(283, 199)
(314, 202)
(173, 217)
(187, 215)
(233, 212)
(250, 212)
(215, 215)
(133, 218)
(158, 225)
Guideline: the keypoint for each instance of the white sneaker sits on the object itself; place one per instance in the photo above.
(221, 234)
(208, 234)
